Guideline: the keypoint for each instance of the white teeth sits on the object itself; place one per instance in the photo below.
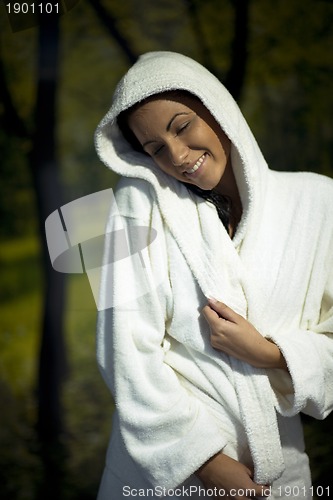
(196, 166)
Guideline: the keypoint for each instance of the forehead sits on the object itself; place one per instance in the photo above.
(160, 104)
(157, 111)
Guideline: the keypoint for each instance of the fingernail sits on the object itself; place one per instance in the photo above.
(212, 300)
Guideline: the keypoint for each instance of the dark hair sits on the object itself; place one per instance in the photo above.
(222, 203)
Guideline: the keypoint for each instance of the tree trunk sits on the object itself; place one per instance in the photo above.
(43, 160)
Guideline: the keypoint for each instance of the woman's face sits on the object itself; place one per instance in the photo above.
(183, 139)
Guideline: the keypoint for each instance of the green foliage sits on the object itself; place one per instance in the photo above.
(287, 98)
(17, 210)
(19, 312)
(17, 203)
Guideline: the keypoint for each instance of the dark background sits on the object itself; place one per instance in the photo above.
(57, 76)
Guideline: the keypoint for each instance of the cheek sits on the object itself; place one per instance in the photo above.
(226, 145)
(223, 143)
(206, 137)
(164, 164)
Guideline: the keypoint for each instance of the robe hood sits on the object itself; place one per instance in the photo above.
(157, 72)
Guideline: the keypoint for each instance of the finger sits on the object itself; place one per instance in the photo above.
(213, 319)
(223, 310)
(210, 314)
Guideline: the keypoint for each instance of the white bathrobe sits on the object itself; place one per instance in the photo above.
(178, 400)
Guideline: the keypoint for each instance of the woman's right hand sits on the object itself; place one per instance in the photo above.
(230, 477)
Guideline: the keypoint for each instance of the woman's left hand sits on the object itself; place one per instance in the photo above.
(234, 335)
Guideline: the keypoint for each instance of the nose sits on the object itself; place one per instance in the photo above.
(178, 152)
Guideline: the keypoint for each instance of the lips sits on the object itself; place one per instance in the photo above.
(196, 166)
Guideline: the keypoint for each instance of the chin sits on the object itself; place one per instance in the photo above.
(207, 186)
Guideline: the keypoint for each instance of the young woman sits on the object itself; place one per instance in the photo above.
(219, 330)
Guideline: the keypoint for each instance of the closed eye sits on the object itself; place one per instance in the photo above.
(183, 127)
(158, 150)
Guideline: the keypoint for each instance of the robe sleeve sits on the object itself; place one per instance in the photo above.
(308, 387)
(166, 430)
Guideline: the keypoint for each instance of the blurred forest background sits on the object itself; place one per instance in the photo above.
(57, 75)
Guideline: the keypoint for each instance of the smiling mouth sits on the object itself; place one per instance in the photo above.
(196, 166)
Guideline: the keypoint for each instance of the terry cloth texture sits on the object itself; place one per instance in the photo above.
(179, 401)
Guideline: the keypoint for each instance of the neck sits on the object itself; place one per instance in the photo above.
(228, 187)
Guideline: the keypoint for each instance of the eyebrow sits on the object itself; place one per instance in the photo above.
(168, 125)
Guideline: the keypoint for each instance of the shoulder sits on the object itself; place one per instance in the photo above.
(135, 197)
(311, 187)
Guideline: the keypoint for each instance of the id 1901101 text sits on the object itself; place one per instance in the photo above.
(33, 8)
